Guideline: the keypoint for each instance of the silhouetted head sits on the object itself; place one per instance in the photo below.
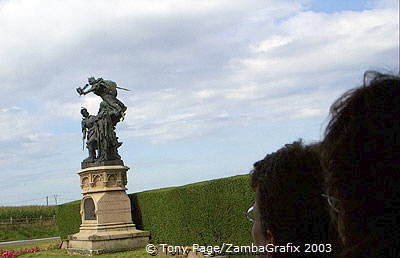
(361, 155)
(289, 207)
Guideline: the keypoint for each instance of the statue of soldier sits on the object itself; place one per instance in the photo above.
(107, 90)
(90, 133)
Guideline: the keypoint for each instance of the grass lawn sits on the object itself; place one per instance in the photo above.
(63, 253)
(28, 231)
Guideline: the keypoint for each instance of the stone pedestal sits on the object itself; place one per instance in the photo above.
(106, 214)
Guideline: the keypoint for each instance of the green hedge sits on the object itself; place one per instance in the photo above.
(206, 213)
(68, 218)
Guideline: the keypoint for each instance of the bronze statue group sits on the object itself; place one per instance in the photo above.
(99, 130)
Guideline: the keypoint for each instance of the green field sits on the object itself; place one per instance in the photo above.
(28, 231)
(27, 222)
(23, 212)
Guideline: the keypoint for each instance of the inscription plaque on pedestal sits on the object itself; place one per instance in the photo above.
(88, 209)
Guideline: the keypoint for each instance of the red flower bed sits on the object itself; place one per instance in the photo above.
(15, 253)
(8, 254)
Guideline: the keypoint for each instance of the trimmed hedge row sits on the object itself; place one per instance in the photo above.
(68, 218)
(206, 213)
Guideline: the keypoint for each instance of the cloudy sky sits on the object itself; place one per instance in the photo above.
(215, 84)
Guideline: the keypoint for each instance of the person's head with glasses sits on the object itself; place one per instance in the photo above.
(289, 205)
(361, 156)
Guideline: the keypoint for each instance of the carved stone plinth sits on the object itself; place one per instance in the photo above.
(106, 214)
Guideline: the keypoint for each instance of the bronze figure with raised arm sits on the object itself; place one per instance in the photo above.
(107, 90)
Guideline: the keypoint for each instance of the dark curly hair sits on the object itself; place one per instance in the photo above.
(288, 185)
(361, 155)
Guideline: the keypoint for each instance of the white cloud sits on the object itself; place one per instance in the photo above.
(16, 123)
(72, 109)
(205, 93)
(73, 38)
(293, 74)
(272, 42)
(318, 42)
(244, 92)
(310, 112)
(173, 114)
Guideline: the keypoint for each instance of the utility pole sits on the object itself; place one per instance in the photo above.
(47, 201)
(55, 198)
